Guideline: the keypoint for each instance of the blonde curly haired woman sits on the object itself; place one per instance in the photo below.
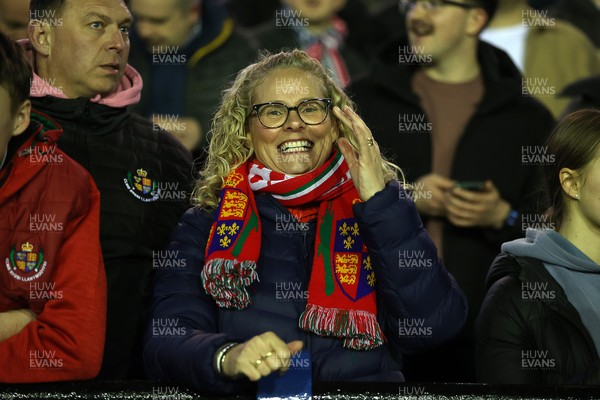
(301, 237)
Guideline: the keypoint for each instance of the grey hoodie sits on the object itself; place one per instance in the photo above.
(575, 272)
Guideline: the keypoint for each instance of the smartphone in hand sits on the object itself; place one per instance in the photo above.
(475, 186)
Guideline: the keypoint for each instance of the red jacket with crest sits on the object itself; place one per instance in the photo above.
(51, 262)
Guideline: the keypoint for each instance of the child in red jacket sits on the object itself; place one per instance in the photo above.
(52, 279)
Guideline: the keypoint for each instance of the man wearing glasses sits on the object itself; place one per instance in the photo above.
(450, 111)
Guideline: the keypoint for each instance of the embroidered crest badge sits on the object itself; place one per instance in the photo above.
(352, 263)
(26, 264)
(141, 186)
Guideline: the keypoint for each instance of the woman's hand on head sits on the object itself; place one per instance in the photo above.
(260, 356)
(365, 165)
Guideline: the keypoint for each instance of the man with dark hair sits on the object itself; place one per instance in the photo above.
(186, 51)
(82, 80)
(450, 110)
(53, 282)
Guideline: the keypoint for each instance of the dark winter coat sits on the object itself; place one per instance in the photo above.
(119, 148)
(388, 222)
(529, 336)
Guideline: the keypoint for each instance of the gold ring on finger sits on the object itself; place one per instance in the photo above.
(269, 354)
(258, 362)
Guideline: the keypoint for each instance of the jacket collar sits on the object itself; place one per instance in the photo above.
(93, 118)
(44, 133)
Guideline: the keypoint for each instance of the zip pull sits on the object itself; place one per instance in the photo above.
(304, 234)
(25, 152)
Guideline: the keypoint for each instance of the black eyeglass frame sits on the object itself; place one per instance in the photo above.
(328, 102)
(407, 4)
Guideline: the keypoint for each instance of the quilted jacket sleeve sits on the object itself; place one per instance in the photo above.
(181, 336)
(420, 303)
(507, 327)
(501, 336)
(66, 340)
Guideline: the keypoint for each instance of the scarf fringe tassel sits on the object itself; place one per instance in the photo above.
(226, 281)
(358, 328)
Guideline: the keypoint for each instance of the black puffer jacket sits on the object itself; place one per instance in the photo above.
(528, 332)
(143, 175)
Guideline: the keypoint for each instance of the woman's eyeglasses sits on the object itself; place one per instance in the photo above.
(310, 111)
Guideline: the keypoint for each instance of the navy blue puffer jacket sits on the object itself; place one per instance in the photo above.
(409, 294)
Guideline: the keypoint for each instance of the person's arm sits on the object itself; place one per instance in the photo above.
(501, 336)
(407, 293)
(66, 341)
(412, 284)
(503, 332)
(179, 299)
(13, 322)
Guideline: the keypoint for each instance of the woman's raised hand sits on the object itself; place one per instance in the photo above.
(365, 166)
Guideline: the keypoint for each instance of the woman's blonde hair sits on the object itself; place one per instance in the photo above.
(230, 145)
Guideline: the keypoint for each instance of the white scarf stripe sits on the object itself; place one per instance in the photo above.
(316, 184)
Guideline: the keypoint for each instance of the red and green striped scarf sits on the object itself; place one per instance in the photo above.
(341, 291)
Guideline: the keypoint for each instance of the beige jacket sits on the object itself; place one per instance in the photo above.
(556, 54)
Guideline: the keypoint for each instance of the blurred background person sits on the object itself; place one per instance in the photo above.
(390, 21)
(540, 321)
(301, 155)
(186, 52)
(449, 110)
(550, 53)
(316, 27)
(251, 14)
(14, 18)
(542, 4)
(356, 14)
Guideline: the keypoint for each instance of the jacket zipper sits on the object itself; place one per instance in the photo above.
(304, 234)
(306, 335)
